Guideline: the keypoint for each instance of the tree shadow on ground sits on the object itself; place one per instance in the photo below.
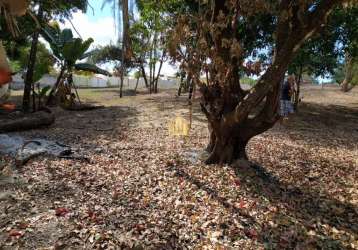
(85, 125)
(303, 204)
(305, 209)
(338, 114)
(85, 132)
(88, 126)
(213, 193)
(318, 121)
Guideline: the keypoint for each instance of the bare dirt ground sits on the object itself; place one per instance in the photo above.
(143, 189)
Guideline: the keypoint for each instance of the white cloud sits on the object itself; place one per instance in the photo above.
(101, 30)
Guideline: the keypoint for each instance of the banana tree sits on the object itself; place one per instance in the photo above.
(69, 52)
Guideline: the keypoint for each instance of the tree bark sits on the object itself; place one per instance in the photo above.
(136, 85)
(54, 88)
(298, 89)
(227, 142)
(122, 80)
(150, 71)
(144, 76)
(125, 42)
(228, 139)
(39, 101)
(154, 48)
(72, 85)
(158, 74)
(191, 89)
(346, 84)
(33, 98)
(181, 84)
(31, 68)
(29, 74)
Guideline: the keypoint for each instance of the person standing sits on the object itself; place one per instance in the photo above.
(287, 91)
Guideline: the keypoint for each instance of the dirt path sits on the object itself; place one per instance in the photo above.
(145, 189)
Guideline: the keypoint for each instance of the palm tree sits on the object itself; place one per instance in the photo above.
(121, 11)
(120, 8)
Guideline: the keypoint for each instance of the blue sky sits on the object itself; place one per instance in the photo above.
(97, 24)
(97, 13)
(100, 25)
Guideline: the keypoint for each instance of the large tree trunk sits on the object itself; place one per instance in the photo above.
(227, 143)
(227, 150)
(229, 137)
(346, 85)
(31, 68)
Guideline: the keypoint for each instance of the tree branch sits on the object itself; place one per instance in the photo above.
(283, 57)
